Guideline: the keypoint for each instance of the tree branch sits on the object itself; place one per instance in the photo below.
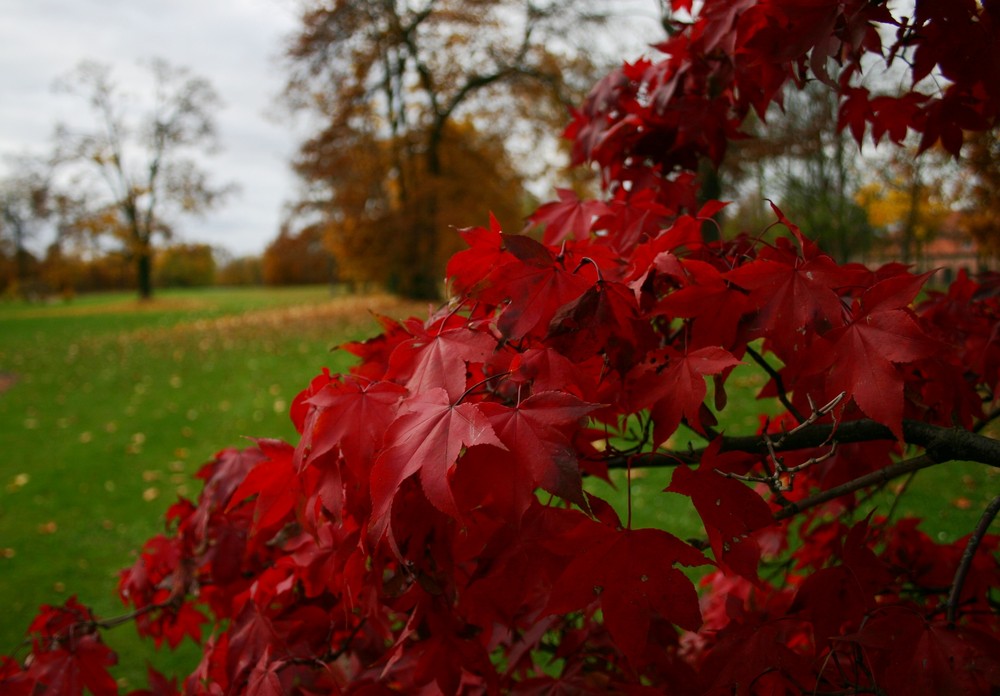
(989, 514)
(941, 444)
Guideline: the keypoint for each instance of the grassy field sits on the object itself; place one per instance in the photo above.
(107, 407)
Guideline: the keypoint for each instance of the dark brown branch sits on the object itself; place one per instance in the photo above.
(989, 514)
(941, 444)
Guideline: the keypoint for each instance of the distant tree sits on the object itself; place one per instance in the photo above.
(369, 207)
(185, 265)
(908, 196)
(140, 168)
(391, 79)
(981, 159)
(297, 258)
(240, 270)
(25, 203)
(806, 165)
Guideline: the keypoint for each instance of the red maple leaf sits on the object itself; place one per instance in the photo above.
(839, 596)
(537, 283)
(263, 680)
(275, 484)
(790, 290)
(603, 320)
(672, 385)
(469, 268)
(914, 656)
(69, 671)
(426, 438)
(730, 510)
(715, 305)
(437, 358)
(862, 357)
(569, 216)
(631, 575)
(537, 431)
(350, 416)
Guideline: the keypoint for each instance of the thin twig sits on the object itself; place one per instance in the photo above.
(778, 382)
(876, 477)
(970, 551)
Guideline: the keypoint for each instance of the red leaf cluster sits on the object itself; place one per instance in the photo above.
(431, 530)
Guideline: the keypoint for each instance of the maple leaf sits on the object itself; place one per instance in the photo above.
(275, 484)
(537, 284)
(426, 438)
(159, 685)
(603, 320)
(632, 219)
(862, 357)
(536, 432)
(469, 268)
(264, 679)
(569, 216)
(438, 357)
(915, 656)
(549, 370)
(839, 596)
(730, 510)
(672, 385)
(630, 574)
(351, 416)
(716, 306)
(14, 678)
(252, 634)
(754, 652)
(70, 671)
(374, 352)
(791, 291)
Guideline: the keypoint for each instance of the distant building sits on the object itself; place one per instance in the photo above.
(950, 249)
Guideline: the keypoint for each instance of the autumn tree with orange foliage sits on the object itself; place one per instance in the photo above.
(394, 226)
(297, 258)
(419, 103)
(982, 163)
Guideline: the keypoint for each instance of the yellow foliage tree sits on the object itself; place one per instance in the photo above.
(908, 200)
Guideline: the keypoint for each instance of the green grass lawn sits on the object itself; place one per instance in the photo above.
(108, 406)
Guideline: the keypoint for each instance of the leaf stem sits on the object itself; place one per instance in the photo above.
(478, 384)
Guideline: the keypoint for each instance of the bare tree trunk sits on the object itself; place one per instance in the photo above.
(144, 271)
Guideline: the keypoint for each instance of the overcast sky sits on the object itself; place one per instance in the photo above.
(235, 44)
